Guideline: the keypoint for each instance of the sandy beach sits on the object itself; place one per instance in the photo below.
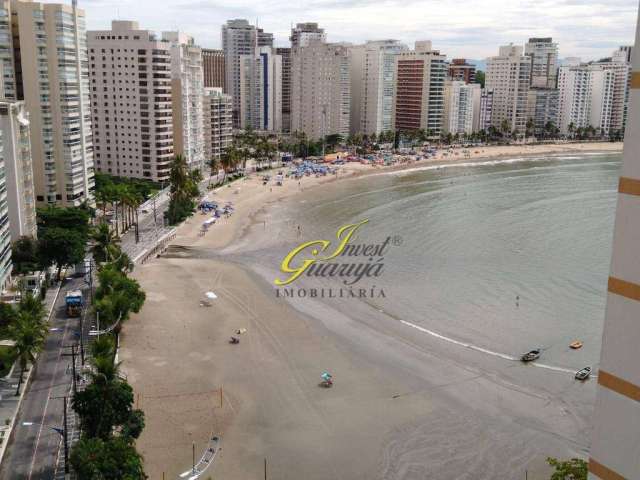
(398, 398)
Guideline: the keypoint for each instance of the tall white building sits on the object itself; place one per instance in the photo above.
(261, 90)
(187, 87)
(419, 98)
(373, 85)
(18, 169)
(544, 61)
(621, 69)
(586, 98)
(320, 89)
(132, 101)
(239, 38)
(508, 76)
(461, 107)
(53, 80)
(615, 443)
(5, 234)
(218, 122)
(8, 87)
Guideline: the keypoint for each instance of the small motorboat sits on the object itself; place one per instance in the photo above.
(575, 345)
(530, 356)
(583, 374)
(234, 340)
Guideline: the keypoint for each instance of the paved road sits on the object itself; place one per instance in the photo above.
(33, 452)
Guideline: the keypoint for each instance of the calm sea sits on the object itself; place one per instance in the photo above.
(505, 255)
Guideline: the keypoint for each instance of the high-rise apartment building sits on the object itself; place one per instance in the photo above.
(486, 110)
(18, 169)
(132, 101)
(508, 76)
(187, 88)
(615, 443)
(5, 234)
(460, 70)
(53, 79)
(213, 67)
(621, 69)
(542, 108)
(285, 55)
(218, 122)
(239, 38)
(304, 33)
(373, 85)
(626, 52)
(8, 88)
(543, 53)
(320, 89)
(461, 107)
(586, 98)
(261, 90)
(419, 99)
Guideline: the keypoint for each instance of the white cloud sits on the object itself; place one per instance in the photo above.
(465, 28)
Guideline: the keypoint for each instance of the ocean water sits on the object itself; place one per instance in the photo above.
(504, 255)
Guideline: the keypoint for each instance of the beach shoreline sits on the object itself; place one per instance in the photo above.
(177, 357)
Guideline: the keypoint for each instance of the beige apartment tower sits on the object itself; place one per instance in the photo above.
(509, 77)
(218, 123)
(52, 78)
(320, 89)
(132, 101)
(615, 446)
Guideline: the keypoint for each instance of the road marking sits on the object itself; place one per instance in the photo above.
(53, 378)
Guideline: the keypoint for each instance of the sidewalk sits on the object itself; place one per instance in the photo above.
(9, 402)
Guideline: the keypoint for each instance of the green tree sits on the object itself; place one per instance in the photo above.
(105, 244)
(72, 218)
(530, 128)
(480, 78)
(112, 459)
(24, 255)
(574, 469)
(184, 190)
(8, 315)
(61, 247)
(505, 127)
(29, 333)
(105, 406)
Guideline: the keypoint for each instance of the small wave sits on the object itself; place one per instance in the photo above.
(486, 351)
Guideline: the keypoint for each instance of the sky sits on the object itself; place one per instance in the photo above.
(589, 29)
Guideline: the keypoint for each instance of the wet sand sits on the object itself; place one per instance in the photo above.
(403, 406)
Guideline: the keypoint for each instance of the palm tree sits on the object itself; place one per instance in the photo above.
(571, 128)
(530, 127)
(29, 333)
(505, 127)
(105, 244)
(213, 166)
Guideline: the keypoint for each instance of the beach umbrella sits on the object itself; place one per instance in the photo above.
(211, 295)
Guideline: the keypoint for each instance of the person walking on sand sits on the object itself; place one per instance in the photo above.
(299, 231)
